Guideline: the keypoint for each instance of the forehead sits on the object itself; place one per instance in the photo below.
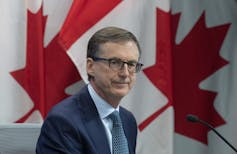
(123, 50)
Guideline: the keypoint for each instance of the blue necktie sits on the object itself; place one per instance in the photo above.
(119, 141)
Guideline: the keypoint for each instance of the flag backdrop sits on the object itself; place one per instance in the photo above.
(189, 51)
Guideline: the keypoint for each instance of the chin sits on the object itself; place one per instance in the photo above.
(121, 93)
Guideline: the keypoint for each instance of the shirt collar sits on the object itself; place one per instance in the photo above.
(103, 107)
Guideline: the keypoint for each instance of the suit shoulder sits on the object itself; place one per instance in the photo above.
(70, 106)
(127, 114)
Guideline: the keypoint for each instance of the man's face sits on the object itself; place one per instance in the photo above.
(110, 83)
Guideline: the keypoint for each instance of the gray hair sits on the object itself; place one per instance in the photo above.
(109, 34)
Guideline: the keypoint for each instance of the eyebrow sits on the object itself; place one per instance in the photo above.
(136, 61)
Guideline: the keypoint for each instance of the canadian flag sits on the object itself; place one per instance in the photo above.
(189, 51)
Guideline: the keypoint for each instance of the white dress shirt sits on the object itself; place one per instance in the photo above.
(104, 110)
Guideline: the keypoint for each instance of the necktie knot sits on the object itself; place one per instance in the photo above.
(114, 116)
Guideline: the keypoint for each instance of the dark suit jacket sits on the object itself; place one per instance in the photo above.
(74, 127)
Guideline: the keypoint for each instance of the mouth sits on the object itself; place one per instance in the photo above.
(120, 84)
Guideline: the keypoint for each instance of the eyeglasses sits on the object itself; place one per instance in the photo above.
(117, 64)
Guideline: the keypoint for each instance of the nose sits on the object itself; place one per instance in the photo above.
(124, 70)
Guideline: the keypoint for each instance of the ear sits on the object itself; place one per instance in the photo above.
(90, 66)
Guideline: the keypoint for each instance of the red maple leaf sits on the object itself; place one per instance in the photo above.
(160, 72)
(82, 16)
(194, 59)
(179, 69)
(48, 71)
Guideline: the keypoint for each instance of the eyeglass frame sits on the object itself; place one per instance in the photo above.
(130, 64)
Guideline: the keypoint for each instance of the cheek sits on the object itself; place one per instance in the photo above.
(104, 76)
(133, 80)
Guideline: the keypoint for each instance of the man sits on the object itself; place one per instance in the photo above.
(83, 123)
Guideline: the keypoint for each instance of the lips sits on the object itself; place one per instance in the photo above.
(121, 81)
(120, 84)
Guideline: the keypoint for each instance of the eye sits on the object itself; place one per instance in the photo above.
(132, 64)
(115, 62)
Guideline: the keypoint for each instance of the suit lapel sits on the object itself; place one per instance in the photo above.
(94, 125)
(126, 130)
